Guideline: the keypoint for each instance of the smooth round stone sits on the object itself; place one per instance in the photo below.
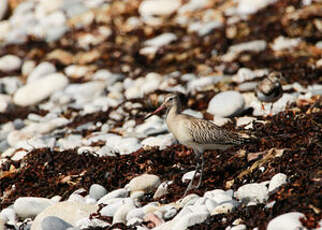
(85, 92)
(244, 74)
(190, 199)
(152, 82)
(247, 86)
(135, 213)
(190, 220)
(54, 223)
(162, 141)
(287, 221)
(152, 125)
(69, 211)
(226, 104)
(16, 36)
(74, 8)
(170, 212)
(41, 70)
(8, 215)
(10, 84)
(255, 192)
(39, 90)
(4, 102)
(193, 113)
(223, 208)
(106, 75)
(111, 209)
(245, 121)
(145, 182)
(3, 8)
(9, 62)
(162, 189)
(239, 227)
(188, 176)
(31, 206)
(276, 181)
(160, 40)
(121, 213)
(158, 7)
(90, 200)
(27, 67)
(55, 33)
(16, 136)
(96, 191)
(128, 145)
(203, 82)
(211, 205)
(118, 193)
(137, 195)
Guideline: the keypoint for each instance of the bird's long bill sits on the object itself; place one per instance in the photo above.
(155, 112)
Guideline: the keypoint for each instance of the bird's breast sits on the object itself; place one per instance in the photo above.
(178, 127)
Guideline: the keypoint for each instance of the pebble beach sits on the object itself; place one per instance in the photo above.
(78, 77)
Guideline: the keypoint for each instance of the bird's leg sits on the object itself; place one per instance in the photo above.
(270, 110)
(190, 185)
(202, 164)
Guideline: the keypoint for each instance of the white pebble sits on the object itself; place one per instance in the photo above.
(239, 227)
(211, 205)
(277, 180)
(145, 182)
(246, 7)
(135, 213)
(255, 192)
(3, 8)
(191, 199)
(188, 176)
(162, 189)
(287, 221)
(158, 7)
(190, 220)
(27, 67)
(39, 90)
(9, 62)
(118, 193)
(282, 43)
(223, 208)
(226, 104)
(31, 206)
(161, 40)
(121, 213)
(163, 141)
(41, 70)
(8, 215)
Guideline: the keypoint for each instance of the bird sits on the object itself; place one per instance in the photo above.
(196, 133)
(270, 88)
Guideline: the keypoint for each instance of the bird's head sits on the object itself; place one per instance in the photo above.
(169, 101)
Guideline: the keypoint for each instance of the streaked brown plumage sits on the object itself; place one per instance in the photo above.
(198, 134)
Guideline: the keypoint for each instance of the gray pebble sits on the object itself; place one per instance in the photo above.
(97, 191)
(54, 223)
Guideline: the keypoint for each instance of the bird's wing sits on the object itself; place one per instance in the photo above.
(206, 132)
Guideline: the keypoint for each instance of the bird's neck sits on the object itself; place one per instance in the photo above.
(173, 111)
